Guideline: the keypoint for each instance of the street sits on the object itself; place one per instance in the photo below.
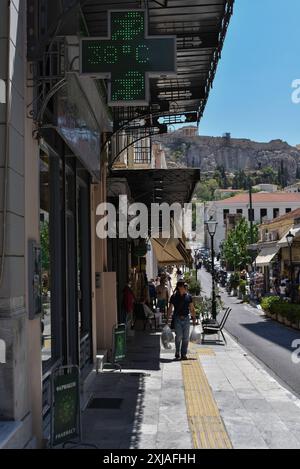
(266, 339)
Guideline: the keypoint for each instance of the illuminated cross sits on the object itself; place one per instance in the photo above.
(128, 57)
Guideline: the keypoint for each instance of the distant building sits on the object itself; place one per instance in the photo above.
(266, 206)
(189, 131)
(273, 257)
(226, 193)
(266, 188)
(294, 188)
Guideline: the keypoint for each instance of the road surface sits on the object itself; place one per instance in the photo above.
(264, 338)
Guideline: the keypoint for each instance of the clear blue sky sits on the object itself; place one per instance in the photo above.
(252, 91)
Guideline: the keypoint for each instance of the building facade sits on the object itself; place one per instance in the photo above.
(64, 151)
(266, 206)
(274, 254)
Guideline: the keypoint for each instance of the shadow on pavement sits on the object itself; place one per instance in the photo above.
(120, 427)
(275, 333)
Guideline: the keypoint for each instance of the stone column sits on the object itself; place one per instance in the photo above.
(13, 318)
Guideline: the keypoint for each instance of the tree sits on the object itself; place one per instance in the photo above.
(235, 248)
(221, 176)
(240, 180)
(206, 190)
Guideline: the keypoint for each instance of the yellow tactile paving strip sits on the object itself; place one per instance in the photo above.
(205, 422)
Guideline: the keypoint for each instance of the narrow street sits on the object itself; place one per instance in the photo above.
(267, 340)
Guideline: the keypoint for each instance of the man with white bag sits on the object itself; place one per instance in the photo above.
(182, 305)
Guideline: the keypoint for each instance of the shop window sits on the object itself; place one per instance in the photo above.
(50, 236)
(263, 214)
(225, 214)
(45, 258)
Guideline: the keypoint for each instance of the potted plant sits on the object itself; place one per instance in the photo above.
(194, 287)
(243, 289)
(234, 283)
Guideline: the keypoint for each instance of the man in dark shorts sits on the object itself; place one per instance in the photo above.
(182, 305)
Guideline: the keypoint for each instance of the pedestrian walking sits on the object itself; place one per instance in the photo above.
(162, 295)
(182, 307)
(152, 293)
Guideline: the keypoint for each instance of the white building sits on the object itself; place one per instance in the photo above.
(266, 206)
(294, 188)
(266, 187)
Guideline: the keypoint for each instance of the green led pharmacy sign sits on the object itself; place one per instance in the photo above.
(128, 57)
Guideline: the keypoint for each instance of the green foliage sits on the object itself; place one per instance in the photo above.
(206, 190)
(234, 280)
(235, 248)
(221, 177)
(204, 308)
(268, 302)
(243, 286)
(240, 180)
(276, 305)
(45, 246)
(194, 285)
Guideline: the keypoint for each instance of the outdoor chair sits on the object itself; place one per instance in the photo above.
(213, 322)
(216, 328)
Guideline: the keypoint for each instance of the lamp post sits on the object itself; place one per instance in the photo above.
(211, 226)
(290, 239)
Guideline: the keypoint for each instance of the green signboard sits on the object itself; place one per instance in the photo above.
(128, 57)
(65, 423)
(119, 343)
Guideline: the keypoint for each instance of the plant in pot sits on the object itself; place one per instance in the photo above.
(234, 283)
(268, 303)
(243, 289)
(194, 287)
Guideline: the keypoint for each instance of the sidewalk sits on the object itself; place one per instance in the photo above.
(220, 398)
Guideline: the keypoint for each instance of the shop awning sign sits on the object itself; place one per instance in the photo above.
(128, 57)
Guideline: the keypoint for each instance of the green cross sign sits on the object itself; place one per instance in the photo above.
(128, 57)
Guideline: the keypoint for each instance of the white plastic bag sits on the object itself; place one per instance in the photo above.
(167, 337)
(196, 334)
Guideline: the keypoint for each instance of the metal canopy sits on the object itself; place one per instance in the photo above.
(200, 27)
(161, 185)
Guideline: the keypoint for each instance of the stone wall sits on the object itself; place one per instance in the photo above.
(14, 401)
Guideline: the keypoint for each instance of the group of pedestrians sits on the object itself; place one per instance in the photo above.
(176, 307)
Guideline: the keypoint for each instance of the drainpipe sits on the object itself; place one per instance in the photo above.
(7, 148)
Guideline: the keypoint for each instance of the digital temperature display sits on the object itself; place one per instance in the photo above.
(128, 58)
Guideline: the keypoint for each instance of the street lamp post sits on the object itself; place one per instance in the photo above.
(290, 238)
(211, 226)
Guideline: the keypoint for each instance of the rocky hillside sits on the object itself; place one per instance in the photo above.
(233, 154)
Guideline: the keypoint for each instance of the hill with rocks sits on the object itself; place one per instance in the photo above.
(209, 153)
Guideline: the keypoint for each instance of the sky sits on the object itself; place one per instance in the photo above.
(252, 93)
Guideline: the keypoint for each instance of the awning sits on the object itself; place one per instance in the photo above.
(266, 255)
(283, 242)
(175, 185)
(166, 251)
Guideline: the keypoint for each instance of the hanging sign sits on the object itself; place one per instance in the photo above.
(128, 57)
